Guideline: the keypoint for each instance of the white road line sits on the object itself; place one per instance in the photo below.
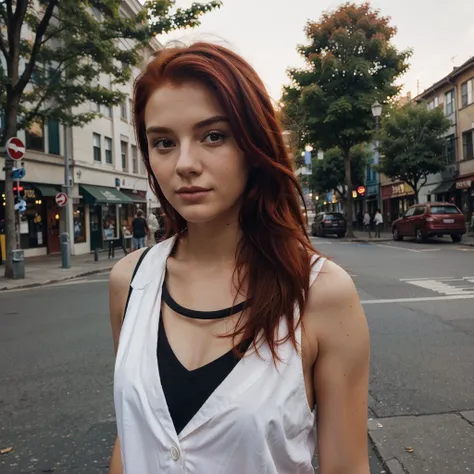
(418, 300)
(428, 278)
(396, 248)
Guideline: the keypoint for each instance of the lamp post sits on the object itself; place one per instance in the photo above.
(377, 112)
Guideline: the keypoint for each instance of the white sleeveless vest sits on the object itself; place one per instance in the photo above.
(257, 421)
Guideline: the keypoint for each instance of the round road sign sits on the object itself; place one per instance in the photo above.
(15, 148)
(61, 199)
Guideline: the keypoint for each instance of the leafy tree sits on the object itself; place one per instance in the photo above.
(350, 62)
(329, 173)
(412, 144)
(54, 68)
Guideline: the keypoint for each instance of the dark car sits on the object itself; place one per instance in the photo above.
(326, 223)
(429, 220)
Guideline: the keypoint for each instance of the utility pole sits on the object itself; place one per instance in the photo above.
(68, 234)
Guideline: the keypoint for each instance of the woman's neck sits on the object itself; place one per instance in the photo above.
(210, 242)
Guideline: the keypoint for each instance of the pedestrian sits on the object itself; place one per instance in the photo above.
(378, 220)
(202, 389)
(367, 220)
(139, 230)
(153, 227)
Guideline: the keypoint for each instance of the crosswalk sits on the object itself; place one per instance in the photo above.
(449, 286)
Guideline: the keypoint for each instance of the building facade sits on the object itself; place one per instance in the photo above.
(108, 177)
(455, 95)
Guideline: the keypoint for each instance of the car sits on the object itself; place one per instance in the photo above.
(432, 219)
(326, 223)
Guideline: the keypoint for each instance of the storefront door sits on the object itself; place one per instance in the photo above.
(96, 226)
(52, 228)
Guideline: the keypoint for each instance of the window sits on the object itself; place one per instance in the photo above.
(449, 102)
(53, 137)
(419, 211)
(108, 150)
(123, 110)
(467, 91)
(467, 145)
(141, 164)
(109, 221)
(134, 159)
(106, 111)
(3, 123)
(130, 107)
(96, 145)
(410, 212)
(450, 150)
(35, 137)
(433, 103)
(79, 223)
(124, 153)
(444, 210)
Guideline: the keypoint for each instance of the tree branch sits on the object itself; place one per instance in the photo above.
(3, 48)
(25, 77)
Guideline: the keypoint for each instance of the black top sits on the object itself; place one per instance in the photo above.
(185, 390)
(139, 227)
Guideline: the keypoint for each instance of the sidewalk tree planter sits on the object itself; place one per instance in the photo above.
(351, 62)
(54, 68)
(412, 144)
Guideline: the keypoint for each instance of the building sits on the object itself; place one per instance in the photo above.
(454, 93)
(109, 181)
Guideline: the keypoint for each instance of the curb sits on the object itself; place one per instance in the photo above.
(57, 280)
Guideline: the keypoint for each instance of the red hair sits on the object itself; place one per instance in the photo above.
(273, 258)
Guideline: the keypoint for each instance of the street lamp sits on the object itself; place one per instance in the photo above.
(377, 112)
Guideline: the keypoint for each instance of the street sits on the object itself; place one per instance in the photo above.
(57, 363)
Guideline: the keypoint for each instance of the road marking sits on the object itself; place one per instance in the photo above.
(446, 286)
(428, 278)
(407, 250)
(419, 300)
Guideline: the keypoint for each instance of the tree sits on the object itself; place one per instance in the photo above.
(412, 144)
(329, 173)
(350, 63)
(69, 45)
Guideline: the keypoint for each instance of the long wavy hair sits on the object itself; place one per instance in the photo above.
(273, 257)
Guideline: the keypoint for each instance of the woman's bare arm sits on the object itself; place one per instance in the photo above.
(119, 285)
(341, 372)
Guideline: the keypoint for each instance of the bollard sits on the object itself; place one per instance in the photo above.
(65, 251)
(96, 254)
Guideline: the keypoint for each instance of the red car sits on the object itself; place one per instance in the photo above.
(429, 220)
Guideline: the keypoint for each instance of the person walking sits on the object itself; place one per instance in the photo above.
(153, 227)
(231, 334)
(139, 230)
(378, 220)
(366, 222)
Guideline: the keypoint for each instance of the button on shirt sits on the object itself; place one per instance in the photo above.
(257, 420)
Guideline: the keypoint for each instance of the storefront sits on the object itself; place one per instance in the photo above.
(129, 211)
(39, 225)
(465, 187)
(105, 214)
(397, 198)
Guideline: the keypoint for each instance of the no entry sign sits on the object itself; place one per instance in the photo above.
(15, 148)
(61, 199)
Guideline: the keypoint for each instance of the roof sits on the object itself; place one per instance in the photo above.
(446, 79)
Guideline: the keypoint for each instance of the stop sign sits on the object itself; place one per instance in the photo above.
(15, 148)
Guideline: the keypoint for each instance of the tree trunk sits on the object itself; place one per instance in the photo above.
(10, 227)
(347, 166)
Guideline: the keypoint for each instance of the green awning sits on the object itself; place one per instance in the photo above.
(101, 194)
(135, 196)
(47, 190)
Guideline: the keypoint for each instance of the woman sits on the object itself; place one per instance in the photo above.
(236, 335)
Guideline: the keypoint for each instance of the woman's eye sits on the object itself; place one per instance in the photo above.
(163, 144)
(214, 137)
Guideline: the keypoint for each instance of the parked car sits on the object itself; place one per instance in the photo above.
(429, 220)
(326, 223)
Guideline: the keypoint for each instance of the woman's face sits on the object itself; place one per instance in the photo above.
(193, 155)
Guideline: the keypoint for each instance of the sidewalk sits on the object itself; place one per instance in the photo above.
(45, 270)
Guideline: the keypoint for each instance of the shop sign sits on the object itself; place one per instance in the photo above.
(30, 194)
(109, 196)
(401, 189)
(464, 184)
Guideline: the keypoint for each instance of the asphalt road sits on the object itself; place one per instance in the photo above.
(56, 357)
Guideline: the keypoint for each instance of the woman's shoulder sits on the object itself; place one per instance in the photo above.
(121, 273)
(333, 309)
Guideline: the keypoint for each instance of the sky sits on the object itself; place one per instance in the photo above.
(267, 32)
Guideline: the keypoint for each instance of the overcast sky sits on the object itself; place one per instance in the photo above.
(266, 33)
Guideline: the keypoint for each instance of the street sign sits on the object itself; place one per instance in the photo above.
(61, 199)
(15, 148)
(18, 173)
(20, 205)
